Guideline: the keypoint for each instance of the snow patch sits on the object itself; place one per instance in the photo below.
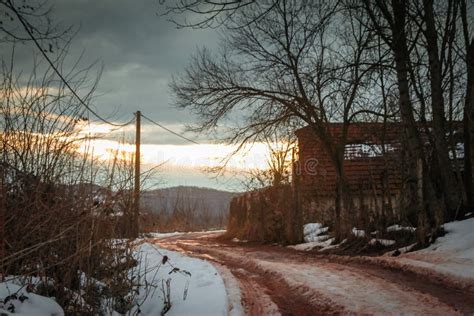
(15, 300)
(451, 255)
(196, 288)
(358, 232)
(383, 242)
(396, 228)
(328, 247)
(312, 232)
(238, 240)
(403, 249)
(165, 235)
(315, 237)
(313, 244)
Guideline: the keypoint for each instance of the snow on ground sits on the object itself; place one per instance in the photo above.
(396, 228)
(358, 232)
(165, 235)
(238, 240)
(15, 300)
(313, 244)
(313, 231)
(451, 255)
(315, 237)
(383, 242)
(196, 288)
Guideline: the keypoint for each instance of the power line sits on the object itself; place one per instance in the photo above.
(66, 83)
(124, 124)
(169, 130)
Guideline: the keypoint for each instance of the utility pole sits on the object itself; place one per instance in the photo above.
(136, 193)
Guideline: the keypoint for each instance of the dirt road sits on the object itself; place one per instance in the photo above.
(277, 280)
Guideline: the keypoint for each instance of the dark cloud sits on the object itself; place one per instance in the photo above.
(140, 51)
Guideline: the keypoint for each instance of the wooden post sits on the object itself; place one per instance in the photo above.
(136, 195)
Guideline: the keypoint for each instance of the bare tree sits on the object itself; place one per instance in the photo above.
(422, 37)
(423, 49)
(18, 16)
(61, 205)
(301, 62)
(277, 170)
(207, 13)
(468, 113)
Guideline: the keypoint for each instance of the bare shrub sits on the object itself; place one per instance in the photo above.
(62, 207)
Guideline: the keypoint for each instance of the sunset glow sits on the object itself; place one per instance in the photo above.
(196, 156)
(188, 156)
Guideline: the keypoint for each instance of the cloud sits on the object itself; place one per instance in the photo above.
(140, 51)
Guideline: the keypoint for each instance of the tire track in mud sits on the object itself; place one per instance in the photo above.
(259, 285)
(255, 298)
(262, 290)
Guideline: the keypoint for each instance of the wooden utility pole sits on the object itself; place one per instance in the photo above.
(136, 193)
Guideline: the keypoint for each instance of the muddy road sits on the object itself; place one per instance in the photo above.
(277, 280)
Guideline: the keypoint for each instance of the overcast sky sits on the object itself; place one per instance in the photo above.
(140, 51)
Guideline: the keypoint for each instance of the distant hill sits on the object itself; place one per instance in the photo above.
(181, 208)
(201, 200)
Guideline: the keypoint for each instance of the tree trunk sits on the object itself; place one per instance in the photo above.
(468, 123)
(343, 202)
(413, 141)
(450, 188)
(416, 156)
(343, 197)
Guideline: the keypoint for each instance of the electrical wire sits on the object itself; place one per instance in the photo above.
(118, 126)
(66, 83)
(58, 73)
(169, 130)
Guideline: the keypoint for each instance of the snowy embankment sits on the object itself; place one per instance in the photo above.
(196, 287)
(451, 256)
(188, 286)
(16, 300)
